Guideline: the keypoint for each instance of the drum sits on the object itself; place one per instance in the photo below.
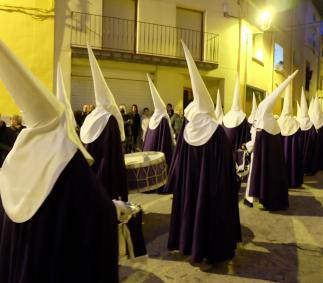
(146, 170)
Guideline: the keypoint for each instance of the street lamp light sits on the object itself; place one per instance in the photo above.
(265, 20)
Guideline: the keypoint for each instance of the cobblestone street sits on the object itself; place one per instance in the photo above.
(284, 246)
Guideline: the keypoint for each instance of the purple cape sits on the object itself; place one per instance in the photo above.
(159, 139)
(72, 237)
(311, 149)
(238, 135)
(205, 216)
(109, 163)
(268, 180)
(293, 155)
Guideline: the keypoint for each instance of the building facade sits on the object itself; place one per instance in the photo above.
(133, 37)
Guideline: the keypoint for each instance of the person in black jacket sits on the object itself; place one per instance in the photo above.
(135, 126)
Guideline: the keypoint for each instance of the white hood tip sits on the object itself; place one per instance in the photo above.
(265, 119)
(104, 100)
(160, 108)
(41, 151)
(200, 112)
(287, 123)
(236, 115)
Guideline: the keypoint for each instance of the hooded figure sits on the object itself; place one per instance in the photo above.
(218, 109)
(102, 132)
(267, 180)
(253, 113)
(317, 119)
(57, 223)
(292, 142)
(310, 146)
(205, 217)
(159, 136)
(235, 123)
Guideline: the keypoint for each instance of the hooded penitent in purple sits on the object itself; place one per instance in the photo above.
(235, 123)
(310, 146)
(317, 119)
(268, 176)
(57, 224)
(205, 217)
(159, 136)
(102, 132)
(292, 142)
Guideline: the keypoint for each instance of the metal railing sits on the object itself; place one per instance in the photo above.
(115, 34)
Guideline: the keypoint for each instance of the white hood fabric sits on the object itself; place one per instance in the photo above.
(317, 114)
(310, 108)
(160, 108)
(287, 123)
(41, 151)
(106, 106)
(218, 109)
(69, 116)
(302, 114)
(235, 116)
(265, 119)
(200, 112)
(253, 113)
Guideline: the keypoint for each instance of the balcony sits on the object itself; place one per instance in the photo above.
(134, 41)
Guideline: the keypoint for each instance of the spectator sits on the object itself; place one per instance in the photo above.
(145, 117)
(16, 124)
(175, 119)
(127, 129)
(7, 139)
(135, 126)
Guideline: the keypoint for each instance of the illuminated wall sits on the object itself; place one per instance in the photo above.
(27, 27)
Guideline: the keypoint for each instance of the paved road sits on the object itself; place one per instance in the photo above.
(277, 247)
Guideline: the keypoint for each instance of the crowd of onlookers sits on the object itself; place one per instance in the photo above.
(135, 126)
(8, 135)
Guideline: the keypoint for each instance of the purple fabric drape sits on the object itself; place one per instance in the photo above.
(238, 135)
(293, 156)
(205, 216)
(159, 139)
(268, 180)
(71, 238)
(109, 164)
(311, 149)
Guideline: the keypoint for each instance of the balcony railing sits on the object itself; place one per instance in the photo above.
(122, 35)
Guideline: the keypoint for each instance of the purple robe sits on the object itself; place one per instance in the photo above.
(205, 216)
(159, 139)
(73, 236)
(109, 163)
(311, 149)
(293, 155)
(238, 135)
(268, 180)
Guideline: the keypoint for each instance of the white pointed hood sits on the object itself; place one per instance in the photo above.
(218, 109)
(253, 113)
(298, 114)
(200, 112)
(69, 115)
(310, 108)
(287, 123)
(41, 151)
(316, 114)
(160, 108)
(302, 114)
(96, 121)
(265, 119)
(235, 116)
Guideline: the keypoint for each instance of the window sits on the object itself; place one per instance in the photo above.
(189, 25)
(257, 47)
(278, 57)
